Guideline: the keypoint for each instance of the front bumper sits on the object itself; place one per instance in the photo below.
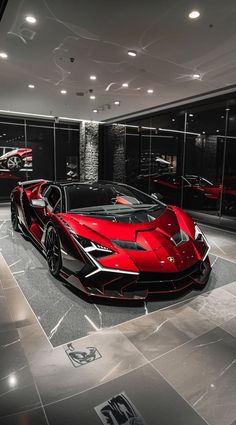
(109, 284)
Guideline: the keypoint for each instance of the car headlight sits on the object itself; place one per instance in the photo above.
(128, 245)
(93, 248)
(199, 236)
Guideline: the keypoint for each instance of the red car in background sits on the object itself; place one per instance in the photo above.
(16, 159)
(198, 193)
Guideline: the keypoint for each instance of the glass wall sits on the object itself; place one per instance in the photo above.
(32, 149)
(186, 156)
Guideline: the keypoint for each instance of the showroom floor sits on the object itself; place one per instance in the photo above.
(68, 361)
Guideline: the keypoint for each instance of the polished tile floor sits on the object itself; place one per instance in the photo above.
(66, 361)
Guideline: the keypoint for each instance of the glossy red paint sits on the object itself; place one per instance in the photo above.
(160, 264)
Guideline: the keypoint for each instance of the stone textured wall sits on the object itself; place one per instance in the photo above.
(116, 136)
(89, 151)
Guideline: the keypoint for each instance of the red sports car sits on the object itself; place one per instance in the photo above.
(110, 239)
(16, 159)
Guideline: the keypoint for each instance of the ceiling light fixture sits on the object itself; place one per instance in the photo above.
(194, 14)
(93, 77)
(31, 86)
(125, 85)
(196, 76)
(95, 110)
(191, 115)
(92, 97)
(63, 91)
(150, 91)
(3, 55)
(31, 19)
(132, 53)
(117, 102)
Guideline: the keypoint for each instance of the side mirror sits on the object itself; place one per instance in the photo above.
(157, 196)
(38, 203)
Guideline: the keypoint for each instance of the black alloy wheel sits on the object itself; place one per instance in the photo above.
(14, 217)
(53, 251)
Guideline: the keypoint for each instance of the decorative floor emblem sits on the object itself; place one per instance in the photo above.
(171, 259)
(81, 358)
(119, 410)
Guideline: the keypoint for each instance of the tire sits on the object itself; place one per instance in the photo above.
(14, 163)
(53, 251)
(14, 217)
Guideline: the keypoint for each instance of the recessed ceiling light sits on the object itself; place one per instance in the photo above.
(4, 134)
(93, 77)
(31, 19)
(173, 119)
(196, 76)
(222, 116)
(191, 115)
(31, 86)
(95, 110)
(132, 53)
(3, 55)
(150, 91)
(92, 97)
(63, 91)
(203, 132)
(217, 131)
(194, 14)
(117, 102)
(125, 85)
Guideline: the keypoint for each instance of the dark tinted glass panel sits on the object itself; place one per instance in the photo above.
(204, 158)
(13, 158)
(41, 141)
(67, 154)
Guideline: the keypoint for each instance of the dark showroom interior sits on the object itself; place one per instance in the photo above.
(117, 212)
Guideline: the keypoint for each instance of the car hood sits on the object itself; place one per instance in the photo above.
(159, 253)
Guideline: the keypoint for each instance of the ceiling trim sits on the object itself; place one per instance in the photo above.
(173, 104)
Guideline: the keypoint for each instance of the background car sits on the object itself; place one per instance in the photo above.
(16, 159)
(110, 239)
(198, 193)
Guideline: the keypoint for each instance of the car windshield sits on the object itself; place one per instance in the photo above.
(109, 200)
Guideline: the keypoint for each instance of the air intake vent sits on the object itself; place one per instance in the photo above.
(179, 237)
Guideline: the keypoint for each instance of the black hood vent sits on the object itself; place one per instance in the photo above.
(179, 238)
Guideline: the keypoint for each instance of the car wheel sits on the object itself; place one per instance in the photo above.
(14, 163)
(14, 217)
(53, 251)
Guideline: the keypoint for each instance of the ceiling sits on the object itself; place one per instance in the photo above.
(97, 34)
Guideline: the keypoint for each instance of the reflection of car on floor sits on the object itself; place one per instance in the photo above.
(198, 191)
(110, 239)
(16, 159)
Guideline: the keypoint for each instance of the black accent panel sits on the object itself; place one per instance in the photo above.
(166, 277)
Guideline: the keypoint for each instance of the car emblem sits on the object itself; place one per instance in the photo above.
(171, 259)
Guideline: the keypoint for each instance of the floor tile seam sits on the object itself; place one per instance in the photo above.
(180, 395)
(126, 372)
(223, 258)
(175, 348)
(40, 399)
(146, 315)
(20, 412)
(226, 330)
(21, 291)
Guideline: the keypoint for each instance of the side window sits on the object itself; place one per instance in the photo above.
(53, 196)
